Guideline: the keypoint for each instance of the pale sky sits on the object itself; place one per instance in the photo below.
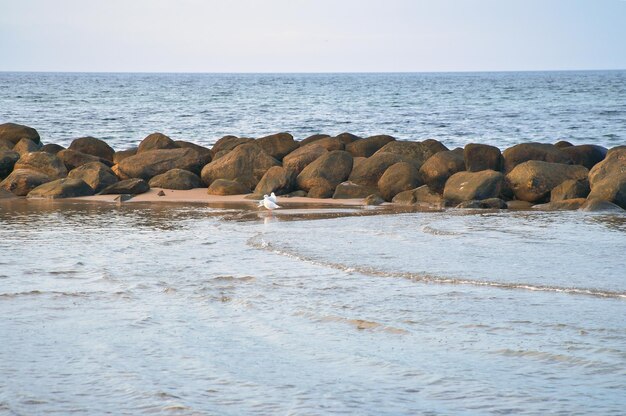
(311, 35)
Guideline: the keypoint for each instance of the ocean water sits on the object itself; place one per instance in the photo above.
(501, 109)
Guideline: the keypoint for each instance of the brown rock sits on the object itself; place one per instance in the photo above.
(328, 171)
(421, 196)
(587, 155)
(493, 203)
(278, 145)
(123, 154)
(524, 152)
(533, 181)
(613, 165)
(61, 188)
(367, 147)
(95, 174)
(247, 164)
(228, 143)
(369, 172)
(46, 163)
(468, 186)
(598, 205)
(564, 205)
(73, 159)
(52, 148)
(348, 137)
(26, 146)
(520, 205)
(482, 157)
(132, 186)
(301, 157)
(6, 144)
(401, 176)
(204, 151)
(330, 143)
(156, 141)
(22, 181)
(277, 179)
(373, 199)
(4, 194)
(147, 164)
(439, 167)
(612, 189)
(312, 139)
(323, 190)
(176, 179)
(562, 144)
(227, 187)
(349, 190)
(94, 147)
(15, 132)
(570, 189)
(8, 158)
(414, 152)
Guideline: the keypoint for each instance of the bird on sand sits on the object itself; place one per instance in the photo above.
(269, 202)
(272, 198)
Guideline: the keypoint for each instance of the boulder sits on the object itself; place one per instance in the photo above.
(179, 179)
(414, 152)
(369, 172)
(22, 181)
(327, 171)
(570, 189)
(422, 195)
(587, 155)
(6, 144)
(15, 132)
(132, 186)
(301, 157)
(598, 205)
(348, 190)
(94, 147)
(401, 176)
(520, 205)
(562, 144)
(146, 165)
(614, 164)
(493, 203)
(348, 137)
(329, 143)
(228, 143)
(52, 148)
(123, 154)
(323, 190)
(46, 163)
(367, 147)
(204, 151)
(247, 164)
(8, 158)
(295, 194)
(73, 159)
(564, 205)
(373, 199)
(156, 141)
(533, 181)
(95, 174)
(278, 145)
(227, 187)
(439, 167)
(312, 139)
(482, 157)
(524, 152)
(612, 189)
(277, 179)
(26, 146)
(62, 188)
(468, 186)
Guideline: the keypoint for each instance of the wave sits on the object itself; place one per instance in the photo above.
(258, 243)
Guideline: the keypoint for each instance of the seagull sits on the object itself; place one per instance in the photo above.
(269, 203)
(271, 198)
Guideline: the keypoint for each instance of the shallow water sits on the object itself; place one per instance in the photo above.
(164, 309)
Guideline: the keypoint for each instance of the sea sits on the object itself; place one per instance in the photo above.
(198, 309)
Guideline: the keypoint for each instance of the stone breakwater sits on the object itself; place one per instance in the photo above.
(377, 169)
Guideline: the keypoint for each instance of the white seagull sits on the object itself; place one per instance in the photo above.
(269, 202)
(272, 198)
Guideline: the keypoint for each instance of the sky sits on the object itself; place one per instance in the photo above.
(311, 35)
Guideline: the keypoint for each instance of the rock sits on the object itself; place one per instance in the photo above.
(329, 143)
(493, 203)
(95, 174)
(62, 188)
(587, 155)
(301, 157)
(247, 164)
(324, 190)
(312, 139)
(327, 171)
(148, 164)
(521, 205)
(401, 176)
(533, 181)
(564, 205)
(227, 187)
(562, 144)
(46, 163)
(367, 147)
(15, 132)
(6, 144)
(7, 162)
(356, 161)
(439, 167)
(176, 179)
(26, 146)
(228, 143)
(156, 141)
(296, 194)
(4, 194)
(204, 151)
(570, 189)
(612, 189)
(614, 164)
(524, 152)
(123, 154)
(373, 199)
(468, 186)
(482, 157)
(598, 205)
(278, 145)
(73, 159)
(405, 198)
(277, 179)
(132, 186)
(51, 148)
(94, 147)
(422, 195)
(473, 204)
(348, 137)
(414, 152)
(22, 181)
(161, 193)
(349, 190)
(369, 172)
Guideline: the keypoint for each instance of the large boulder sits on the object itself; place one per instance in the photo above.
(612, 189)
(468, 186)
(278, 145)
(95, 174)
(62, 188)
(8, 158)
(179, 179)
(228, 143)
(301, 157)
(482, 157)
(51, 148)
(562, 144)
(204, 151)
(422, 195)
(348, 137)
(439, 167)
(123, 154)
(46, 163)
(93, 147)
(227, 187)
(570, 189)
(327, 171)
(132, 186)
(613, 165)
(6, 144)
(246, 163)
(323, 190)
(26, 146)
(146, 165)
(15, 132)
(587, 155)
(369, 172)
(277, 179)
(399, 177)
(156, 141)
(524, 152)
(367, 147)
(73, 159)
(348, 190)
(414, 152)
(313, 138)
(598, 205)
(533, 181)
(563, 205)
(329, 143)
(22, 181)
